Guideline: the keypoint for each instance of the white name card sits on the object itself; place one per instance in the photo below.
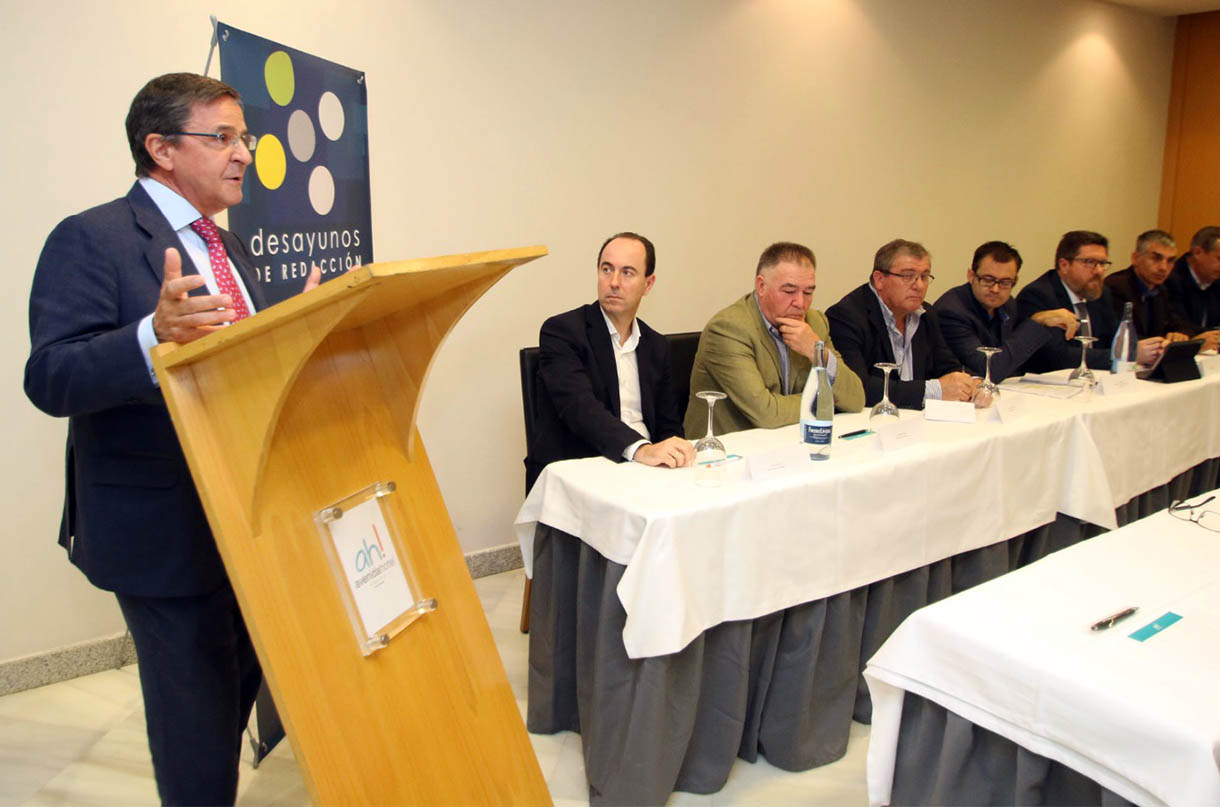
(951, 411)
(896, 436)
(1010, 408)
(1116, 383)
(777, 462)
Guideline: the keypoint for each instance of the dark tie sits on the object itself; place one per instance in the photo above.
(225, 281)
(1086, 328)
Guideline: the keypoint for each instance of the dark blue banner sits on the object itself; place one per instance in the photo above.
(307, 194)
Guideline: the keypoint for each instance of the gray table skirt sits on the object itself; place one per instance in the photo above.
(785, 686)
(945, 759)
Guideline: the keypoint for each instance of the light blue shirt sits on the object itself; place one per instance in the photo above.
(180, 213)
(832, 364)
(900, 343)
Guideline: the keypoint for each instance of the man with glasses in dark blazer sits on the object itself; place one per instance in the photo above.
(887, 320)
(982, 313)
(111, 283)
(1075, 283)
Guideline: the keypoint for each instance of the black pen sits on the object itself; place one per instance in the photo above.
(856, 433)
(1113, 619)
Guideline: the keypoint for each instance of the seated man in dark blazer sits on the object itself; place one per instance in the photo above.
(982, 313)
(1076, 284)
(886, 320)
(1142, 285)
(1192, 288)
(605, 377)
(111, 283)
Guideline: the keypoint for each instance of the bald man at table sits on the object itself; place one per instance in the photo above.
(605, 377)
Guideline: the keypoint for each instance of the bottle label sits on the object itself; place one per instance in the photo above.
(816, 433)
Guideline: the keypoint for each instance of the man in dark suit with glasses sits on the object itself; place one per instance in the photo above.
(887, 320)
(111, 283)
(982, 313)
(1075, 283)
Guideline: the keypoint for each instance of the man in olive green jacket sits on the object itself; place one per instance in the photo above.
(759, 350)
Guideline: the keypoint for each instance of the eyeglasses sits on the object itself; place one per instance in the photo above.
(991, 282)
(909, 278)
(1093, 263)
(224, 140)
(1208, 519)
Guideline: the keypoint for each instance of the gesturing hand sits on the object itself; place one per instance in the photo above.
(180, 317)
(315, 278)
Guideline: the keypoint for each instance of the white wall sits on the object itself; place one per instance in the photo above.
(713, 127)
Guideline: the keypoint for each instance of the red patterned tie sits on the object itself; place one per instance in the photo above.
(210, 233)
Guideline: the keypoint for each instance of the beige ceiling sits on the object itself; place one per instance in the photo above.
(1169, 8)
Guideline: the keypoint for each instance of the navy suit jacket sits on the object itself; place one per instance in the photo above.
(1199, 307)
(132, 520)
(858, 330)
(1124, 288)
(1047, 292)
(965, 325)
(578, 405)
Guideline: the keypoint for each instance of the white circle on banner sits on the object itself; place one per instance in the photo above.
(330, 115)
(321, 190)
(301, 137)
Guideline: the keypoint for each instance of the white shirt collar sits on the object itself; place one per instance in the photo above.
(1073, 296)
(1202, 286)
(888, 315)
(176, 209)
(633, 338)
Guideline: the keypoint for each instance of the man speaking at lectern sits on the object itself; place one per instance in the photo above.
(111, 283)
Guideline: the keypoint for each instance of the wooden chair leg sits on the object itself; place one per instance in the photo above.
(525, 607)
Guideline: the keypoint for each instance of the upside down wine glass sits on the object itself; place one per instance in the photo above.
(988, 392)
(1082, 376)
(709, 451)
(884, 411)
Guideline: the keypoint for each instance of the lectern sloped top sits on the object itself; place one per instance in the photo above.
(287, 412)
(410, 283)
(410, 305)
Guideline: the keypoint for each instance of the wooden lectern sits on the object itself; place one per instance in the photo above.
(287, 412)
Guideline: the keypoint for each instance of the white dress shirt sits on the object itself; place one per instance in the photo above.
(1081, 308)
(630, 405)
(180, 213)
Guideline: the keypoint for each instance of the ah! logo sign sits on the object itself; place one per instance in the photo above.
(370, 554)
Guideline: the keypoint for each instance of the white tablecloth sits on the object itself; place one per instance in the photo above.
(698, 556)
(1016, 656)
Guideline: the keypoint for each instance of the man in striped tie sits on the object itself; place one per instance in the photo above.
(111, 283)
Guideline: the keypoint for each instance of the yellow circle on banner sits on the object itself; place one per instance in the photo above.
(270, 162)
(281, 82)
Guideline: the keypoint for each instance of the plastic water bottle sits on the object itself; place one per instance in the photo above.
(818, 408)
(1123, 348)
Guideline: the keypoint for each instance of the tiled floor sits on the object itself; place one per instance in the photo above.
(83, 742)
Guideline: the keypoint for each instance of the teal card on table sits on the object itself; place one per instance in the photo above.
(1155, 627)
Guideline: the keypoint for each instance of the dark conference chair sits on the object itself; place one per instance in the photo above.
(682, 346)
